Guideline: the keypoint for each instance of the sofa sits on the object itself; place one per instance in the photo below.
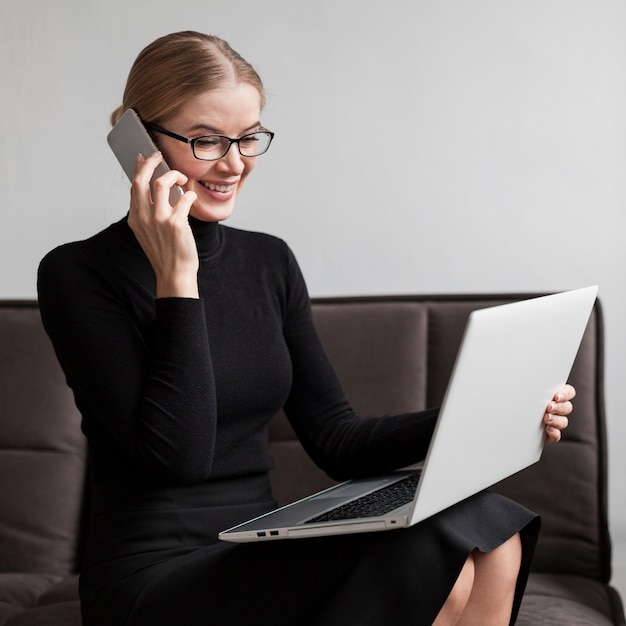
(393, 354)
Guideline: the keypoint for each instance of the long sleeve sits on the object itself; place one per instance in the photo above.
(149, 392)
(342, 443)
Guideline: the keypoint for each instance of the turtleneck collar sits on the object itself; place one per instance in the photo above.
(209, 238)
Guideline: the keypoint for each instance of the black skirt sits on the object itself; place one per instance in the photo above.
(153, 560)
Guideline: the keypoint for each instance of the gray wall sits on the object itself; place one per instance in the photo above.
(422, 145)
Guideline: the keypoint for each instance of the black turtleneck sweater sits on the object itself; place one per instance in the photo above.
(180, 391)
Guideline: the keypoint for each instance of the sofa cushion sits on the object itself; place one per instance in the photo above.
(42, 451)
(55, 604)
(7, 612)
(378, 348)
(23, 590)
(19, 592)
(557, 599)
(60, 614)
(64, 591)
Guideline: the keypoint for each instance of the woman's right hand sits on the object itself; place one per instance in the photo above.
(163, 230)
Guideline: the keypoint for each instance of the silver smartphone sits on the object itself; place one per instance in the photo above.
(127, 139)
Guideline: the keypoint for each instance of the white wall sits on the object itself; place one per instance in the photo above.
(422, 145)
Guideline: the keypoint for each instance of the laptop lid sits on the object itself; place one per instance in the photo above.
(512, 360)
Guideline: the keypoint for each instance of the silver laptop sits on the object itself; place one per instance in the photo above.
(512, 360)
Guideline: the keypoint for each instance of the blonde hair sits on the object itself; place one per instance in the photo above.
(176, 67)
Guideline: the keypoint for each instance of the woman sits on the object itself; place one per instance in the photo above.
(181, 338)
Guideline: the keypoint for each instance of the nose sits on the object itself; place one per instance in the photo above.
(232, 161)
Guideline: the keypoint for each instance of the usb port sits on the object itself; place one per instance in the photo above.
(261, 533)
(274, 533)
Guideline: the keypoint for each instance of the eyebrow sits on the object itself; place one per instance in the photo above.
(210, 129)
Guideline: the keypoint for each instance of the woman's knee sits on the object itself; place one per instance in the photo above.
(502, 563)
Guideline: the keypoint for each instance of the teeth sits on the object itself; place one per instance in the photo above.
(220, 188)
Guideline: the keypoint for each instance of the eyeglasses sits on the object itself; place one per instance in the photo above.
(214, 147)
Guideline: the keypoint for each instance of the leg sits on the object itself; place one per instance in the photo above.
(491, 600)
(483, 593)
(456, 602)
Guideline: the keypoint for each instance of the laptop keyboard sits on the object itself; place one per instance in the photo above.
(372, 504)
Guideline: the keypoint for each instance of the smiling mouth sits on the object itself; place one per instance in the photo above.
(219, 188)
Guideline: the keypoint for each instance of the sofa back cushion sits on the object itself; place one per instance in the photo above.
(42, 450)
(396, 355)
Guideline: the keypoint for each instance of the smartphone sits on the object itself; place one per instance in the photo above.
(127, 139)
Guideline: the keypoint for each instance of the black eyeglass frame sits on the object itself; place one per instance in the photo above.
(192, 140)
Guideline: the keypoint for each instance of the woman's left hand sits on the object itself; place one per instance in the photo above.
(555, 418)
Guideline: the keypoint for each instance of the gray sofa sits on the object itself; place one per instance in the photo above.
(393, 354)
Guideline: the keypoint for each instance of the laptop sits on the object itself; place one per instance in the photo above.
(513, 358)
